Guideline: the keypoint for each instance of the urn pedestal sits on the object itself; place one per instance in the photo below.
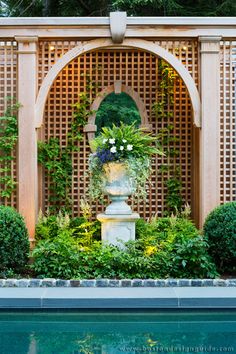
(116, 228)
(118, 221)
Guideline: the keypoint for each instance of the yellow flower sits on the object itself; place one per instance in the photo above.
(150, 250)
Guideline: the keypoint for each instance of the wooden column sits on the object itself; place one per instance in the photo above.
(210, 130)
(27, 142)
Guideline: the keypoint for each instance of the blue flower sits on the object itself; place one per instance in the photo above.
(105, 155)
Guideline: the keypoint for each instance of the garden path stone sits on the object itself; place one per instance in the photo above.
(114, 283)
(125, 283)
(137, 282)
(219, 282)
(35, 283)
(231, 282)
(88, 283)
(62, 283)
(149, 283)
(196, 282)
(10, 283)
(207, 282)
(160, 283)
(48, 283)
(100, 283)
(171, 282)
(184, 282)
(22, 283)
(75, 283)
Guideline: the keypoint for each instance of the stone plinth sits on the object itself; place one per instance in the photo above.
(118, 227)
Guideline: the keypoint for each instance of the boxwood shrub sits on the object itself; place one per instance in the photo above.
(14, 241)
(220, 232)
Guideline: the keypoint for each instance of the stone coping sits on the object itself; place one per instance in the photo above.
(115, 283)
(124, 298)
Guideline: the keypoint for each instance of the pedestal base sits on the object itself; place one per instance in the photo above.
(118, 227)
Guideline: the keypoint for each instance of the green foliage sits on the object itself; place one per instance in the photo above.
(50, 226)
(117, 108)
(174, 187)
(220, 232)
(57, 258)
(133, 7)
(178, 239)
(141, 144)
(84, 230)
(14, 241)
(126, 144)
(57, 159)
(163, 110)
(8, 140)
(165, 247)
(176, 8)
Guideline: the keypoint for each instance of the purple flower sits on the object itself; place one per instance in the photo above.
(105, 155)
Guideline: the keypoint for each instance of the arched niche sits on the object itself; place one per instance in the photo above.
(117, 88)
(127, 43)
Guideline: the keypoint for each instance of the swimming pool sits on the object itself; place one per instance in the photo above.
(117, 332)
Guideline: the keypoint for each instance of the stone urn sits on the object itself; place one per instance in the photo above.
(118, 185)
(118, 221)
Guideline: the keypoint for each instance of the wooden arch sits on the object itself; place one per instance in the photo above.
(127, 43)
(117, 87)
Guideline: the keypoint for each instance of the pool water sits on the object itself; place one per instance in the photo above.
(113, 332)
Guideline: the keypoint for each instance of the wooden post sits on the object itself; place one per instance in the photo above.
(27, 142)
(210, 131)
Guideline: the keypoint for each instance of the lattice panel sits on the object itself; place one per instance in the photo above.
(228, 122)
(134, 68)
(49, 52)
(8, 72)
(187, 51)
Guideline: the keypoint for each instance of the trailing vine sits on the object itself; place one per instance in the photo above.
(163, 109)
(8, 140)
(57, 159)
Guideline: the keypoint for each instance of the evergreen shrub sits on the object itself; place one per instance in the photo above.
(220, 232)
(14, 241)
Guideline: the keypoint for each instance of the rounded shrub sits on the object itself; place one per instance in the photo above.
(220, 232)
(14, 241)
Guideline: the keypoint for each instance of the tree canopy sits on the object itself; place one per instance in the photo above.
(117, 108)
(47, 8)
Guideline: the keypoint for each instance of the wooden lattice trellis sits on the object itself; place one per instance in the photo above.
(228, 121)
(8, 72)
(197, 48)
(137, 69)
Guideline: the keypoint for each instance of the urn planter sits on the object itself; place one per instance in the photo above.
(118, 185)
(118, 221)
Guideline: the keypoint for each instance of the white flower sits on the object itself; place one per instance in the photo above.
(121, 148)
(112, 141)
(104, 141)
(124, 141)
(113, 149)
(129, 147)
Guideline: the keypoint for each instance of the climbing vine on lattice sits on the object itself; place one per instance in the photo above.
(57, 159)
(163, 109)
(8, 141)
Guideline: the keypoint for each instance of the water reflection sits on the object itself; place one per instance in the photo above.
(93, 333)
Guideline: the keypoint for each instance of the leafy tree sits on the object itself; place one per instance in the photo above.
(103, 7)
(116, 109)
(55, 8)
(177, 7)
